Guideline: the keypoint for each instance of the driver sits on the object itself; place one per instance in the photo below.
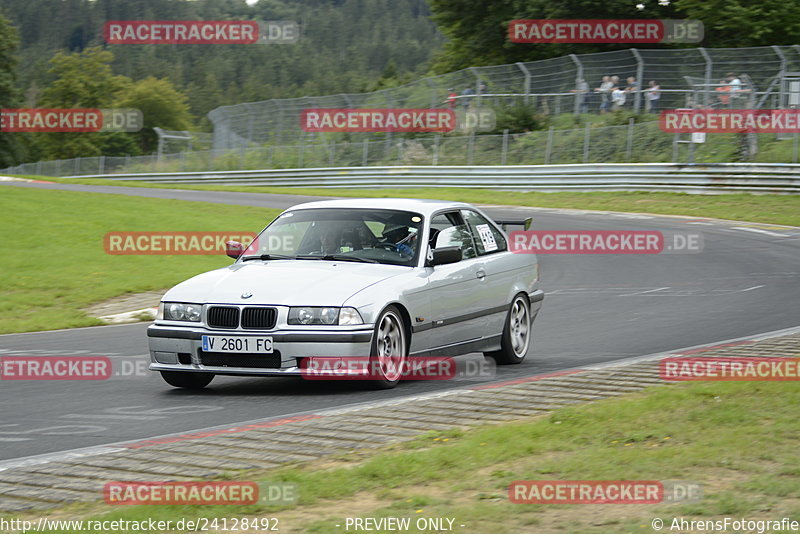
(403, 238)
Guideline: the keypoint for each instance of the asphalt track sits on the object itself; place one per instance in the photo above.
(597, 308)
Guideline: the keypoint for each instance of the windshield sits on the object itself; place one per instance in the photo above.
(361, 235)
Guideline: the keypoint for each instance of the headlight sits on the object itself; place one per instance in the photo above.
(328, 315)
(350, 316)
(325, 316)
(178, 311)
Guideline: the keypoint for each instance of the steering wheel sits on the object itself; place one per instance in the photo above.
(387, 246)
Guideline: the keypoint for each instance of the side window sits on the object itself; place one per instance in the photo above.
(487, 238)
(448, 230)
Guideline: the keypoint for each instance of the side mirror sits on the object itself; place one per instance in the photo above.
(233, 249)
(445, 255)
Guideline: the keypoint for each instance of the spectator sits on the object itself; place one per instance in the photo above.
(724, 90)
(452, 98)
(467, 93)
(734, 83)
(617, 98)
(605, 91)
(632, 87)
(582, 94)
(653, 95)
(738, 91)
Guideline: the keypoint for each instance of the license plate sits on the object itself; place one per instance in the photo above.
(237, 344)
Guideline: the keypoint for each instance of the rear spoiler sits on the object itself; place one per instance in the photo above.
(525, 223)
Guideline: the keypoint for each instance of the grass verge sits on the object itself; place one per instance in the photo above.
(737, 440)
(52, 251)
(769, 209)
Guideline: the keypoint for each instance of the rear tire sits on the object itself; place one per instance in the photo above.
(516, 337)
(389, 351)
(187, 380)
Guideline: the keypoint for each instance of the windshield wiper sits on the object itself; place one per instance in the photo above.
(338, 257)
(268, 257)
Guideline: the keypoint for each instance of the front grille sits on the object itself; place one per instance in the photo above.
(259, 318)
(254, 361)
(223, 317)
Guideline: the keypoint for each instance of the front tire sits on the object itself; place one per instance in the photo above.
(389, 350)
(187, 380)
(516, 333)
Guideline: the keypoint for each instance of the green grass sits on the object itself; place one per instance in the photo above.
(769, 209)
(737, 440)
(55, 265)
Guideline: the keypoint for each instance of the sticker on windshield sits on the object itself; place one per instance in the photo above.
(487, 237)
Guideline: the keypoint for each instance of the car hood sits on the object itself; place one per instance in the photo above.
(287, 282)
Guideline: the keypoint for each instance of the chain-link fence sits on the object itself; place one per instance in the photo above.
(686, 76)
(635, 142)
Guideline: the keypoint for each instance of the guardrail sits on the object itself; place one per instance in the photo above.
(691, 178)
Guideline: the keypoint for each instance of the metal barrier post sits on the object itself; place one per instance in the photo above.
(504, 155)
(527, 83)
(709, 65)
(629, 147)
(300, 153)
(470, 147)
(637, 97)
(436, 139)
(675, 148)
(586, 135)
(578, 76)
(549, 147)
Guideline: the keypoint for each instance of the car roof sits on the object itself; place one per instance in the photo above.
(421, 206)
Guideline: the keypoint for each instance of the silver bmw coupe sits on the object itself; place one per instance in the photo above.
(390, 281)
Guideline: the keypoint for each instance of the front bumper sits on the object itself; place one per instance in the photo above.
(180, 349)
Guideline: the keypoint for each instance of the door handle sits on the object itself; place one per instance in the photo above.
(481, 274)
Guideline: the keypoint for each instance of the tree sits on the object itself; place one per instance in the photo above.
(83, 80)
(10, 149)
(734, 23)
(161, 104)
(478, 30)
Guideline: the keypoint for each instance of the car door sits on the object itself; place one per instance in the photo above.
(452, 290)
(497, 269)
